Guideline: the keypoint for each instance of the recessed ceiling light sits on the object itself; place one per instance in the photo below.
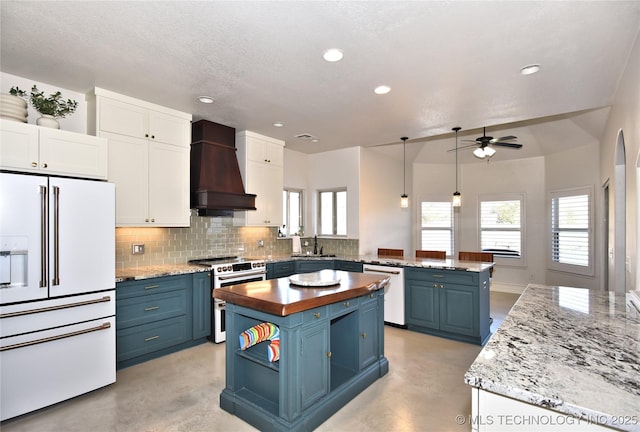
(530, 69)
(314, 140)
(206, 99)
(333, 55)
(278, 124)
(383, 89)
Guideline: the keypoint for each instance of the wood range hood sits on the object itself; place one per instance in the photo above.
(216, 182)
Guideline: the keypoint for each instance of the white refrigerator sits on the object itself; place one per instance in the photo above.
(57, 290)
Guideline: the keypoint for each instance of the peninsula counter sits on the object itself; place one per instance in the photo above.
(331, 347)
(563, 359)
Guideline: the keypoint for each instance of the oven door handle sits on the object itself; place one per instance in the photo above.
(242, 276)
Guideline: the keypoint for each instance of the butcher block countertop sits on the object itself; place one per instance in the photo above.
(281, 297)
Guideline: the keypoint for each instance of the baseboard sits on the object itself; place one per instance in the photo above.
(507, 288)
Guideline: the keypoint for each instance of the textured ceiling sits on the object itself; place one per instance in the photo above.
(448, 64)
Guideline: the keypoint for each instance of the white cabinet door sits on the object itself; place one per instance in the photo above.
(19, 146)
(261, 163)
(122, 118)
(169, 129)
(129, 170)
(169, 175)
(63, 152)
(265, 181)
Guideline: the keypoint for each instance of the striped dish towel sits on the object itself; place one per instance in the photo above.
(259, 333)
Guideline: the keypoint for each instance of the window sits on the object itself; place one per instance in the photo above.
(501, 227)
(571, 231)
(292, 211)
(436, 228)
(333, 212)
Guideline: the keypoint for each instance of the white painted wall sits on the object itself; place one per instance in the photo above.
(382, 222)
(573, 168)
(625, 116)
(330, 170)
(76, 122)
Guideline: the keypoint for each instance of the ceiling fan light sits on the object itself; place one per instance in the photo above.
(489, 151)
(479, 153)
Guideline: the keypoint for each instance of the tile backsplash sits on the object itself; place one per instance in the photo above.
(209, 237)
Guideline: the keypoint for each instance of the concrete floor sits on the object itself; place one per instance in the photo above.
(423, 391)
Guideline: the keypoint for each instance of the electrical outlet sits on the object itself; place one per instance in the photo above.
(137, 249)
(260, 243)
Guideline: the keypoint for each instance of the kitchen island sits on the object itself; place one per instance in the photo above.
(330, 347)
(563, 359)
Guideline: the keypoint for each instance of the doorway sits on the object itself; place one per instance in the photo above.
(620, 219)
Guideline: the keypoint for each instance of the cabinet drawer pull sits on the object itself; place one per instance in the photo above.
(346, 304)
(317, 314)
(329, 354)
(151, 338)
(437, 276)
(151, 308)
(151, 286)
(364, 335)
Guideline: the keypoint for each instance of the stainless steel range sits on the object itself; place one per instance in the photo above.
(229, 271)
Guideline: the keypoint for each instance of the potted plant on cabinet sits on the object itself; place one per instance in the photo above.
(50, 107)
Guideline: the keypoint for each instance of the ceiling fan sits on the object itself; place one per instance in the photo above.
(486, 143)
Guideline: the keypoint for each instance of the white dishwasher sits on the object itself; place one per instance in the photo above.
(394, 293)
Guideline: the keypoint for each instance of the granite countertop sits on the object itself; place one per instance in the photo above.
(573, 350)
(281, 297)
(148, 272)
(160, 270)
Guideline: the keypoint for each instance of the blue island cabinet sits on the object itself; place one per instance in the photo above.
(448, 303)
(328, 354)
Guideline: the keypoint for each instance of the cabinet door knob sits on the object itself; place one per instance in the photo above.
(34, 164)
(153, 137)
(146, 135)
(146, 220)
(435, 285)
(364, 335)
(153, 220)
(346, 304)
(317, 314)
(329, 354)
(441, 286)
(44, 165)
(371, 295)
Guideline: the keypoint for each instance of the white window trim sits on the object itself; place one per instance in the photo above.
(570, 268)
(503, 261)
(286, 216)
(454, 228)
(319, 214)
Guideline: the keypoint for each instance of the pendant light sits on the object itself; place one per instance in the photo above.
(404, 199)
(457, 198)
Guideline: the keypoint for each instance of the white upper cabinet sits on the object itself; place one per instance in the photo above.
(30, 148)
(261, 164)
(149, 148)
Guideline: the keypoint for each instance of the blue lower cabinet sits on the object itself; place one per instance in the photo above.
(448, 303)
(328, 355)
(277, 270)
(158, 316)
(202, 305)
(352, 266)
(308, 266)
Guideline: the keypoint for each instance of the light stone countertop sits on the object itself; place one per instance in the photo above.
(160, 270)
(573, 350)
